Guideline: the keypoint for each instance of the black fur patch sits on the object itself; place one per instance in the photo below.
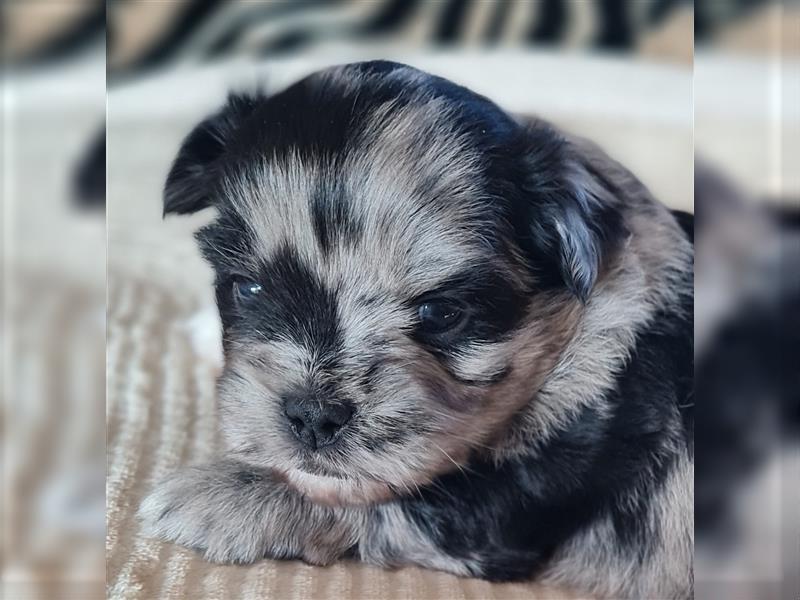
(197, 166)
(295, 304)
(332, 217)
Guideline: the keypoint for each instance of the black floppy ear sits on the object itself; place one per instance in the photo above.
(187, 185)
(573, 220)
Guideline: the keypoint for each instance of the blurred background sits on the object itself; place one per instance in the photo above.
(699, 99)
(747, 306)
(53, 295)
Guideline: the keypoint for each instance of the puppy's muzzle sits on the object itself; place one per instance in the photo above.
(316, 423)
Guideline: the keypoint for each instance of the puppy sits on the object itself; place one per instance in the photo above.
(452, 339)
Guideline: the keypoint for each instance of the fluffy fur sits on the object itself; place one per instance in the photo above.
(549, 433)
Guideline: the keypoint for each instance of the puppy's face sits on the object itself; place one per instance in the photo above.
(394, 282)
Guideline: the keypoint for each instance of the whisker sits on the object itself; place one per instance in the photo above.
(450, 458)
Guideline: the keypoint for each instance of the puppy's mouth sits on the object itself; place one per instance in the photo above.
(337, 490)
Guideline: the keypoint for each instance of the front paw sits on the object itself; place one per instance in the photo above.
(219, 510)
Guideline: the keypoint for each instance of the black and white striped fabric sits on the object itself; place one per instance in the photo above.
(212, 29)
(144, 35)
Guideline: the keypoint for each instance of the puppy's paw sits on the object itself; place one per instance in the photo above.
(219, 510)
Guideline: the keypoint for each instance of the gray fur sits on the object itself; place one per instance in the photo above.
(507, 397)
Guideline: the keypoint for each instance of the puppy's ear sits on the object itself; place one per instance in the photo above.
(187, 187)
(573, 221)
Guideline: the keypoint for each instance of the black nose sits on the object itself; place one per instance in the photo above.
(316, 423)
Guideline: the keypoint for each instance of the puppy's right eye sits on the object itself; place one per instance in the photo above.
(246, 289)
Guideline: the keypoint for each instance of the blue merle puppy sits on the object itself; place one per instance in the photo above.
(453, 338)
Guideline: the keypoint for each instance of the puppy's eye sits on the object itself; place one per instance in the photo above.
(438, 316)
(246, 289)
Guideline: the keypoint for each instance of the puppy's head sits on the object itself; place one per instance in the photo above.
(398, 264)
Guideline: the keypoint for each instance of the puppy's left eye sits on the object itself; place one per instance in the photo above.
(438, 316)
(246, 289)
